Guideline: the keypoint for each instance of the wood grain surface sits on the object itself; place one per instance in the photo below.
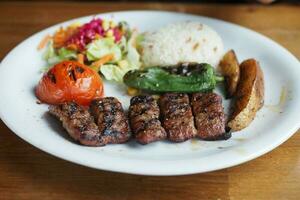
(28, 173)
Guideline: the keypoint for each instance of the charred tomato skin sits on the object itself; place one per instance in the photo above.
(69, 81)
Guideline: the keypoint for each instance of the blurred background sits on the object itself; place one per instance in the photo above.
(28, 173)
(169, 1)
(184, 1)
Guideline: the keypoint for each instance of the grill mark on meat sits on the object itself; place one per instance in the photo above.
(146, 125)
(107, 123)
(209, 116)
(141, 99)
(111, 119)
(144, 110)
(177, 110)
(144, 119)
(177, 117)
(79, 123)
(112, 126)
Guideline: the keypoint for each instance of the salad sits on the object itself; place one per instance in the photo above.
(103, 45)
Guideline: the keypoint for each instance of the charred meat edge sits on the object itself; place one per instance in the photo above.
(144, 119)
(209, 116)
(111, 119)
(79, 123)
(177, 117)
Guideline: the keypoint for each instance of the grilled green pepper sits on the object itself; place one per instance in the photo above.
(197, 78)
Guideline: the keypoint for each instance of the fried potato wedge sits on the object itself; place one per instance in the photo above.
(249, 95)
(229, 68)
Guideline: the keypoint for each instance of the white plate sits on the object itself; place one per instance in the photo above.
(20, 72)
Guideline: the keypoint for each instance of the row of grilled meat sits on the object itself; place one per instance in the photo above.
(176, 117)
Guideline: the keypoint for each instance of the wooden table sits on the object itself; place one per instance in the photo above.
(28, 173)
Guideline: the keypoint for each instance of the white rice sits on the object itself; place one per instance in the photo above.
(181, 42)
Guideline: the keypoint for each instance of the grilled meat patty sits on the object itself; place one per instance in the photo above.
(79, 123)
(111, 119)
(177, 116)
(209, 116)
(144, 119)
(105, 122)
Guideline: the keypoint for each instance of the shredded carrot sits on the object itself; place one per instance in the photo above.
(80, 58)
(44, 42)
(59, 38)
(97, 36)
(62, 35)
(72, 47)
(97, 64)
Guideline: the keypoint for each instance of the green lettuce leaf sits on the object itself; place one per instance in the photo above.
(50, 55)
(66, 54)
(53, 57)
(133, 57)
(130, 61)
(113, 72)
(101, 47)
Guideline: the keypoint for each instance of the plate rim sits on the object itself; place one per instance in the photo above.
(252, 156)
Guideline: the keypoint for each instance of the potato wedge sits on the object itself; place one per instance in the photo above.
(229, 68)
(249, 95)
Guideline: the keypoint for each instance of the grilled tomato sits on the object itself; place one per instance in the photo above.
(69, 81)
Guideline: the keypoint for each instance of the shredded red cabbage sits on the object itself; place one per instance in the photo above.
(117, 34)
(87, 32)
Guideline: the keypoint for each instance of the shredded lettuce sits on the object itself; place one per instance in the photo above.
(126, 57)
(53, 57)
(113, 72)
(123, 46)
(125, 28)
(133, 57)
(50, 55)
(101, 47)
(66, 54)
(139, 39)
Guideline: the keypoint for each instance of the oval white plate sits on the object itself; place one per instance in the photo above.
(275, 123)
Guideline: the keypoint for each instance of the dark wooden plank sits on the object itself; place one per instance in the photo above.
(28, 173)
